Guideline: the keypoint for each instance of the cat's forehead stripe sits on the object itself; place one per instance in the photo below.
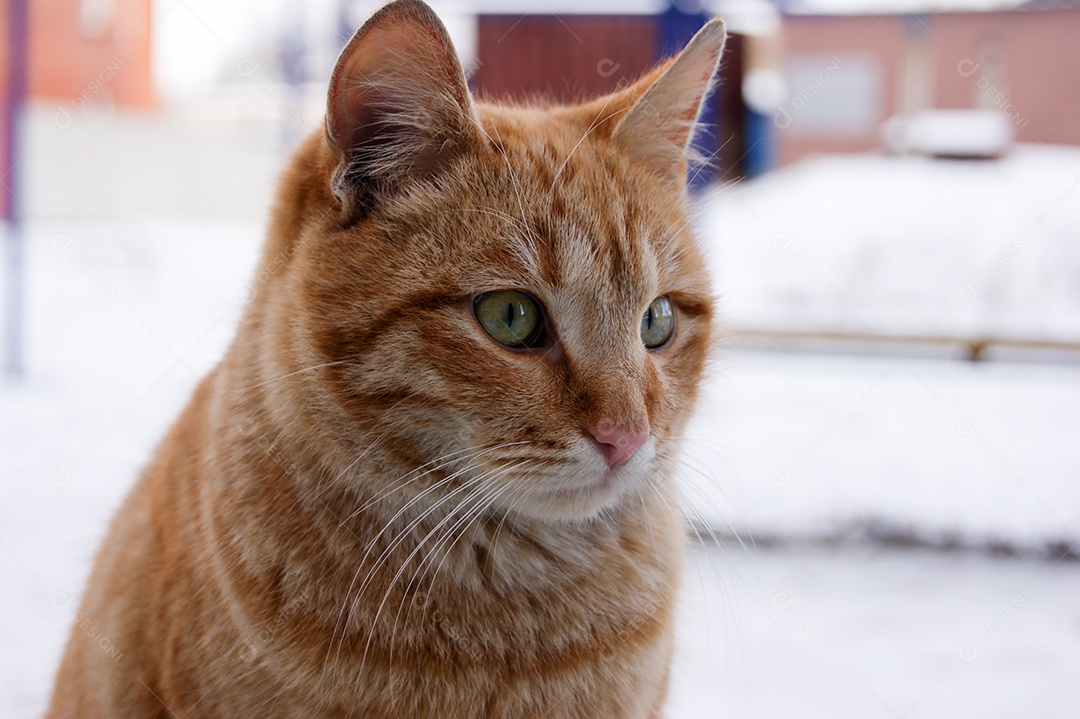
(577, 228)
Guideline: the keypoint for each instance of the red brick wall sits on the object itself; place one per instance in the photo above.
(561, 58)
(573, 57)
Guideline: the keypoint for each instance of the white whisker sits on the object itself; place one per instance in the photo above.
(419, 546)
(290, 374)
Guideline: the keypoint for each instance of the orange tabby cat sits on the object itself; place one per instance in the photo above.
(431, 476)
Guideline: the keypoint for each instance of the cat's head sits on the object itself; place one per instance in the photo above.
(509, 295)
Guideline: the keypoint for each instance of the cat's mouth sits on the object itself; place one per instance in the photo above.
(588, 486)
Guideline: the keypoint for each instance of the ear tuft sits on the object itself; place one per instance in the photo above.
(659, 125)
(398, 104)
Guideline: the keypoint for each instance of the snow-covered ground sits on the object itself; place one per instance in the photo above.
(905, 245)
(123, 319)
(868, 633)
(833, 448)
(894, 444)
(789, 448)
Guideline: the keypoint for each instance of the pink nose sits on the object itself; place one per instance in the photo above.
(619, 445)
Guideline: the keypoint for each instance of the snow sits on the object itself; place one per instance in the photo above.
(124, 317)
(820, 447)
(951, 133)
(876, 634)
(826, 446)
(904, 245)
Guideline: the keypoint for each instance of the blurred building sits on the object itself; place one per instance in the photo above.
(574, 57)
(798, 77)
(87, 51)
(74, 53)
(817, 81)
(846, 75)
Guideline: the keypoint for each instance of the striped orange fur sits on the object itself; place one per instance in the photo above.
(372, 508)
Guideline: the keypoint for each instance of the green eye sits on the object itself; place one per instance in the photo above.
(658, 322)
(512, 318)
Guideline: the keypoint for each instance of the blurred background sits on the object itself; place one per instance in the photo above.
(885, 474)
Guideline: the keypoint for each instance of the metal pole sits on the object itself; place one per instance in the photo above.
(18, 40)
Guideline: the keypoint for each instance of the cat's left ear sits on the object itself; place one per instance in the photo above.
(658, 126)
(398, 105)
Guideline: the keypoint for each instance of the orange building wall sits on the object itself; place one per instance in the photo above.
(73, 61)
(842, 37)
(1041, 86)
(1037, 85)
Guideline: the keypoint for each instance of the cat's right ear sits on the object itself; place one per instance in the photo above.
(398, 105)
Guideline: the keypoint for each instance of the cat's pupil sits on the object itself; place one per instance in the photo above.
(658, 322)
(511, 317)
